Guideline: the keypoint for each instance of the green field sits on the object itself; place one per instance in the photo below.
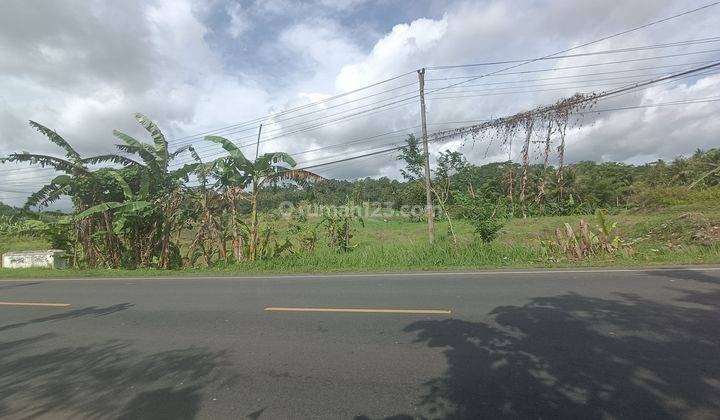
(677, 235)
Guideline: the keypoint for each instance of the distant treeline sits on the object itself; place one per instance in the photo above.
(586, 185)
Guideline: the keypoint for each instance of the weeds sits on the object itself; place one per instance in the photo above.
(587, 242)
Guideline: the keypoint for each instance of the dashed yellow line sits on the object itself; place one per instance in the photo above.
(364, 310)
(55, 305)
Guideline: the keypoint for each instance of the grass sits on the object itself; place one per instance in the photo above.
(676, 235)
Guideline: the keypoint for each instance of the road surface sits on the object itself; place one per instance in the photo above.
(514, 344)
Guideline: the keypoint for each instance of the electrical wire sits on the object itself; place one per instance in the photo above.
(587, 43)
(602, 52)
(398, 147)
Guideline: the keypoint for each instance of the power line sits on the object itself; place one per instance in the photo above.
(587, 43)
(350, 117)
(526, 61)
(225, 132)
(284, 128)
(446, 136)
(555, 56)
(612, 93)
(520, 63)
(261, 119)
(189, 138)
(406, 97)
(326, 123)
(360, 114)
(394, 148)
(572, 76)
(602, 52)
(606, 63)
(626, 78)
(514, 92)
(451, 133)
(311, 127)
(329, 122)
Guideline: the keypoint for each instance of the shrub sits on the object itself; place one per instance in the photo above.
(482, 215)
(587, 242)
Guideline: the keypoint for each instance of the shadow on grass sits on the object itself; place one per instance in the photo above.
(106, 380)
(573, 356)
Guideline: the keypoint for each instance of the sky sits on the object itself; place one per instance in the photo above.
(84, 67)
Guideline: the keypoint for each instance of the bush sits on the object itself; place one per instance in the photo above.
(482, 215)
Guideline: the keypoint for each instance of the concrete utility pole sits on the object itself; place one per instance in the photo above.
(428, 193)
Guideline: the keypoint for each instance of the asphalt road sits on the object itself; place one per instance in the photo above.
(554, 344)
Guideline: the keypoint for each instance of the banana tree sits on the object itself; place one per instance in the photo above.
(158, 184)
(202, 208)
(236, 173)
(84, 186)
(122, 219)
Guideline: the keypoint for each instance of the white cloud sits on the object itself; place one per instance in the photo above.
(404, 48)
(83, 68)
(84, 87)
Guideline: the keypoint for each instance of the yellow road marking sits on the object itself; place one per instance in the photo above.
(57, 305)
(364, 311)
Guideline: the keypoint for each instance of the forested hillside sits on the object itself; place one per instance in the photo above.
(585, 187)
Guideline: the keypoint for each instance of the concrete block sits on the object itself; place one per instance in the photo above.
(51, 258)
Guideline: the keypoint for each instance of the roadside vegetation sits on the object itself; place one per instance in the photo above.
(138, 213)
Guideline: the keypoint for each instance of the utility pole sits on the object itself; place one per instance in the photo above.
(257, 147)
(428, 193)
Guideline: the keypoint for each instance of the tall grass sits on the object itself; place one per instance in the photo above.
(408, 256)
(397, 245)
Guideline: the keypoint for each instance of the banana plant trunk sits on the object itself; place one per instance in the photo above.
(170, 215)
(113, 257)
(254, 222)
(236, 242)
(221, 237)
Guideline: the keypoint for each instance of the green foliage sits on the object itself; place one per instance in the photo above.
(586, 242)
(483, 215)
(58, 231)
(338, 223)
(413, 158)
(139, 211)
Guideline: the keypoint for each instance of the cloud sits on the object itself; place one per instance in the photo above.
(85, 73)
(239, 21)
(83, 68)
(487, 31)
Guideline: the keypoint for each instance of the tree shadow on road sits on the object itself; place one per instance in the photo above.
(14, 286)
(76, 313)
(106, 380)
(684, 274)
(574, 356)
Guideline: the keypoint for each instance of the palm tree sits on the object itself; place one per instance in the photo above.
(236, 173)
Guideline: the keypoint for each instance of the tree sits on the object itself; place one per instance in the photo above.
(205, 205)
(413, 158)
(236, 173)
(159, 186)
(84, 186)
(449, 164)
